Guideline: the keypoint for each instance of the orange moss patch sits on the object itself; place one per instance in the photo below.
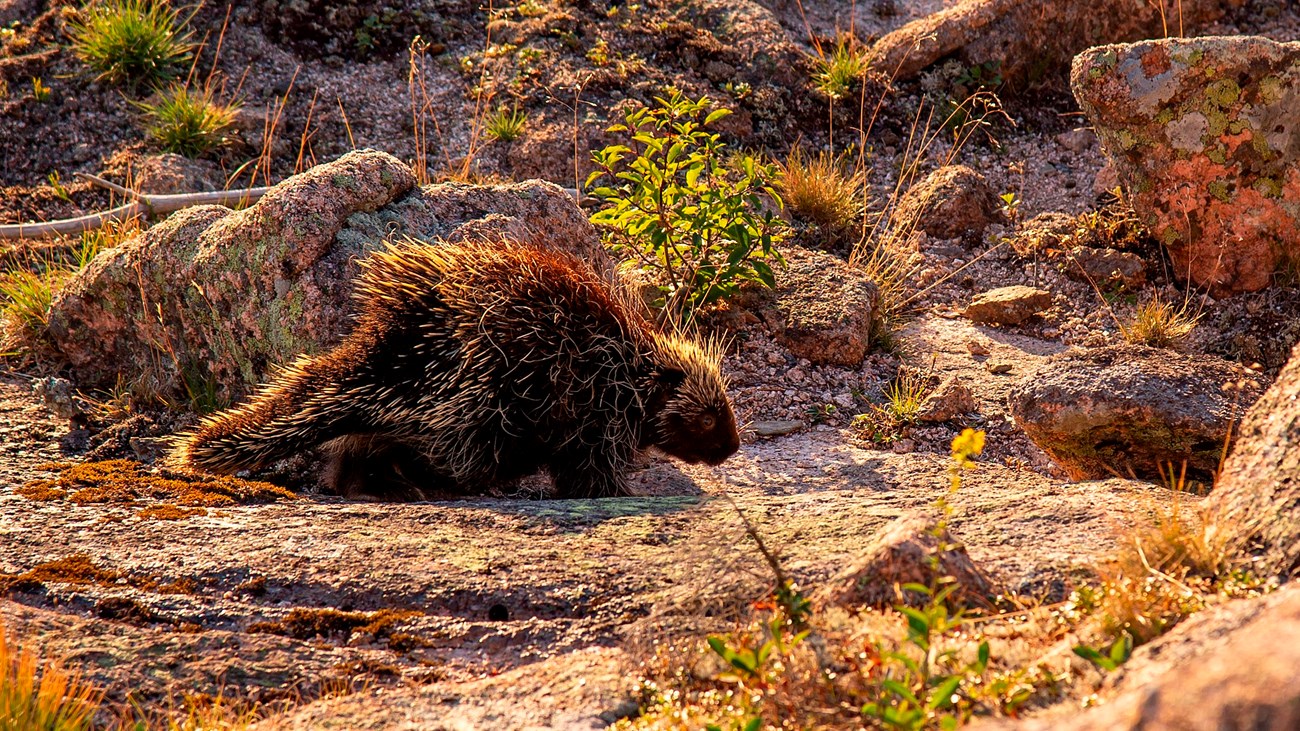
(125, 481)
(167, 511)
(304, 624)
(78, 569)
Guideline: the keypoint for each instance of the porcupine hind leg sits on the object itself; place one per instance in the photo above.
(590, 472)
(380, 467)
(301, 408)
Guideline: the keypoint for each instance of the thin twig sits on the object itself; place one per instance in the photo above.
(133, 195)
(145, 204)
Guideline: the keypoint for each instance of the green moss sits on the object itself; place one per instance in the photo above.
(1270, 90)
(1217, 154)
(1223, 93)
(1165, 116)
(1259, 144)
(1189, 57)
(347, 182)
(1125, 139)
(1268, 187)
(1219, 189)
(1216, 121)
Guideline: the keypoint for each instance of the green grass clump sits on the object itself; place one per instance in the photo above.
(188, 122)
(132, 41)
(25, 300)
(837, 72)
(506, 125)
(887, 422)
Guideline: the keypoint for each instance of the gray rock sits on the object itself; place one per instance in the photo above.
(822, 308)
(947, 401)
(776, 428)
(1107, 267)
(901, 553)
(1129, 409)
(1008, 305)
(210, 299)
(951, 202)
(1257, 498)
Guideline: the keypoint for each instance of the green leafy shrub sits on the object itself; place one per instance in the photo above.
(683, 209)
(132, 41)
(188, 122)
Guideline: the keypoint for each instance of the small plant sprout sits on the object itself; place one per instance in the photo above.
(40, 91)
(837, 72)
(188, 122)
(887, 422)
(60, 190)
(506, 124)
(677, 205)
(1159, 324)
(132, 41)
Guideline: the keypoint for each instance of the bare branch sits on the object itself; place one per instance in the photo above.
(145, 204)
(133, 195)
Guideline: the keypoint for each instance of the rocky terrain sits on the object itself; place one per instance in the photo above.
(1070, 229)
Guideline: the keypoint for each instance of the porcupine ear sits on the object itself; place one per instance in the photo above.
(669, 379)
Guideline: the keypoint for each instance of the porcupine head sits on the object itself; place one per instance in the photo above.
(694, 421)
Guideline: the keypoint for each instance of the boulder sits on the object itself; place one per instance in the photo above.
(901, 553)
(1230, 667)
(951, 202)
(822, 309)
(1131, 410)
(1030, 39)
(210, 299)
(1205, 136)
(170, 173)
(1008, 305)
(1257, 499)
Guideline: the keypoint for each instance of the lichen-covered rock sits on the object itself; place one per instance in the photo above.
(1008, 305)
(1130, 410)
(205, 302)
(821, 309)
(901, 553)
(951, 202)
(1257, 499)
(1205, 135)
(1029, 39)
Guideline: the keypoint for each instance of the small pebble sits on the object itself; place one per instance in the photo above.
(995, 367)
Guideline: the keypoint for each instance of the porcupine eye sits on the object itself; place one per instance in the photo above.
(707, 422)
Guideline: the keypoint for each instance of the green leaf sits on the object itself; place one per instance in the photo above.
(716, 115)
(941, 696)
(754, 724)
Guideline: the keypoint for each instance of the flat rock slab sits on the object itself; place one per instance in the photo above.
(500, 584)
(1205, 136)
(1008, 305)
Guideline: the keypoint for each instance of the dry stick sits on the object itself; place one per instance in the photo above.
(142, 204)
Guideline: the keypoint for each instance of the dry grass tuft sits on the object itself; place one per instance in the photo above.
(1159, 324)
(305, 624)
(826, 191)
(37, 696)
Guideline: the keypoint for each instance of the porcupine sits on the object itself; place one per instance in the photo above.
(473, 365)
